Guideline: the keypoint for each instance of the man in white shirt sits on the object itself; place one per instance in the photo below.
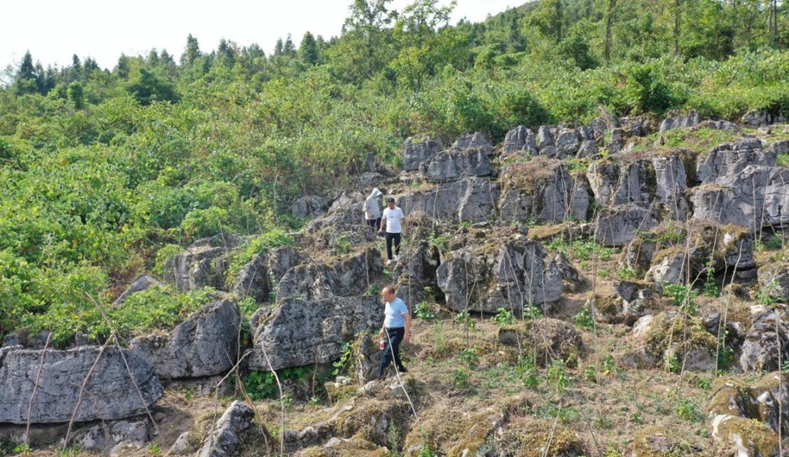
(372, 211)
(391, 220)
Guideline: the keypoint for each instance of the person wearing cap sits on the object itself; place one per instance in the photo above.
(372, 211)
(392, 221)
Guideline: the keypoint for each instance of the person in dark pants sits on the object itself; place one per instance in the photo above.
(372, 211)
(396, 329)
(391, 220)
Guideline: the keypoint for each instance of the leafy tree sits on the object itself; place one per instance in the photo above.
(192, 51)
(76, 94)
(122, 69)
(26, 78)
(149, 88)
(576, 48)
(308, 49)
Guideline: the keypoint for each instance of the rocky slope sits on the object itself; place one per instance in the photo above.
(609, 289)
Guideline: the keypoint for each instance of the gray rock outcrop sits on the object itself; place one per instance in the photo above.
(225, 438)
(618, 226)
(341, 276)
(300, 332)
(206, 344)
(679, 121)
(417, 152)
(253, 280)
(309, 206)
(109, 393)
(510, 273)
(140, 284)
(756, 197)
(416, 272)
(766, 342)
(520, 139)
(471, 199)
(542, 190)
(729, 159)
(203, 263)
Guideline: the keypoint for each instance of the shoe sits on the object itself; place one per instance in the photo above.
(403, 370)
(389, 262)
(397, 258)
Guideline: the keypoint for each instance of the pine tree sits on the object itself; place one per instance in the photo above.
(76, 68)
(122, 69)
(226, 53)
(76, 94)
(308, 49)
(278, 47)
(289, 49)
(191, 53)
(26, 78)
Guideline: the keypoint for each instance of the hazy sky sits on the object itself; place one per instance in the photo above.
(54, 30)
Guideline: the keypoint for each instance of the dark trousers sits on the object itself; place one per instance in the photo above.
(389, 238)
(395, 338)
(374, 223)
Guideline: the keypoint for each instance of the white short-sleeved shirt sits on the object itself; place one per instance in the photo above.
(393, 218)
(394, 314)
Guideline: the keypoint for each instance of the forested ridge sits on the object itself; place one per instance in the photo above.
(104, 172)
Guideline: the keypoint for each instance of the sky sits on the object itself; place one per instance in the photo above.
(54, 30)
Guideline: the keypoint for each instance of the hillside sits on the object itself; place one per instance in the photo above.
(596, 258)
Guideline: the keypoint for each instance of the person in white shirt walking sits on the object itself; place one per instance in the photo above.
(396, 330)
(372, 211)
(392, 218)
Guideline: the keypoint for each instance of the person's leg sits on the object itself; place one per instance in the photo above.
(396, 243)
(396, 340)
(385, 360)
(389, 237)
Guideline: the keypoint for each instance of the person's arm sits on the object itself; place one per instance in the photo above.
(407, 335)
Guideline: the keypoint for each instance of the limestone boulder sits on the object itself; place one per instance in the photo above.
(140, 284)
(203, 263)
(520, 139)
(225, 438)
(470, 199)
(417, 152)
(299, 332)
(542, 190)
(254, 280)
(506, 273)
(342, 276)
(754, 198)
(618, 226)
(679, 121)
(309, 206)
(109, 393)
(766, 343)
(547, 339)
(729, 159)
(206, 344)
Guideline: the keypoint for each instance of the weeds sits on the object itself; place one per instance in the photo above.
(557, 376)
(686, 409)
(460, 377)
(503, 317)
(424, 312)
(584, 319)
(626, 273)
(470, 357)
(464, 319)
